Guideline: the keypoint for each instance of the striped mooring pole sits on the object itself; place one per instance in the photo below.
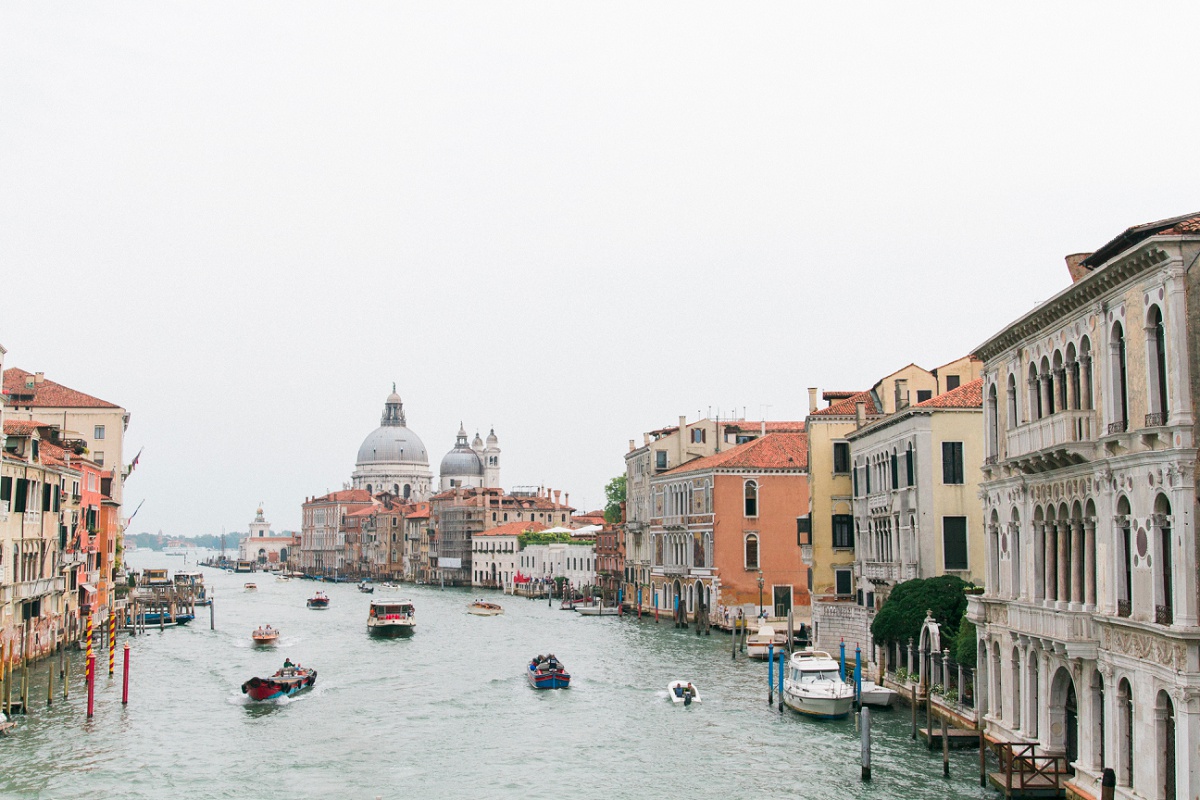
(112, 641)
(89, 633)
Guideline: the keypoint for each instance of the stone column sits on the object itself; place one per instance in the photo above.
(1039, 570)
(1048, 562)
(1089, 564)
(1076, 564)
(1063, 587)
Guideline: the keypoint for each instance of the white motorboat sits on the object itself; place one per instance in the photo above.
(758, 645)
(482, 608)
(812, 686)
(392, 618)
(683, 693)
(596, 610)
(872, 694)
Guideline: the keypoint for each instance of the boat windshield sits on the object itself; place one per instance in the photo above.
(812, 676)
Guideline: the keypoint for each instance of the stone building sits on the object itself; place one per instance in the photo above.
(1087, 630)
(495, 557)
(322, 538)
(263, 547)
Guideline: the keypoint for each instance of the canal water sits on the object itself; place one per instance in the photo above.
(447, 713)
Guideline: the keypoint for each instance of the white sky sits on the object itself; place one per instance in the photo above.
(572, 221)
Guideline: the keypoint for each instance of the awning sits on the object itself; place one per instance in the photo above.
(87, 587)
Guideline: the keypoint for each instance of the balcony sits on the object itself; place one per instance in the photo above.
(1117, 427)
(31, 590)
(70, 559)
(1164, 615)
(1124, 608)
(1071, 628)
(881, 570)
(1156, 420)
(33, 518)
(1059, 439)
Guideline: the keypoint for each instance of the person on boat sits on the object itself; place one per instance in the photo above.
(689, 692)
(287, 664)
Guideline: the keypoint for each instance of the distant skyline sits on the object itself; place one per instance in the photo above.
(570, 222)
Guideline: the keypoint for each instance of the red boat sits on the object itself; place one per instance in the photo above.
(284, 683)
(318, 600)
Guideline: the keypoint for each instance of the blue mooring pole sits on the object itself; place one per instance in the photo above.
(782, 657)
(842, 661)
(858, 675)
(770, 672)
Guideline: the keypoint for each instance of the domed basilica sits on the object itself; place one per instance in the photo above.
(393, 459)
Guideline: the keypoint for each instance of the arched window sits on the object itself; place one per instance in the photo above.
(751, 547)
(1058, 386)
(910, 465)
(407, 491)
(1165, 734)
(1120, 410)
(1156, 340)
(751, 503)
(1085, 373)
(1011, 422)
(369, 488)
(1125, 554)
(895, 471)
(1124, 733)
(1046, 395)
(993, 424)
(1164, 584)
(1035, 395)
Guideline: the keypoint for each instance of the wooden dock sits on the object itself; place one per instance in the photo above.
(960, 738)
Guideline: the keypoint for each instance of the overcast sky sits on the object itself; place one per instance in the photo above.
(572, 221)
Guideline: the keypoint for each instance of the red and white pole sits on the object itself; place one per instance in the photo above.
(91, 684)
(125, 679)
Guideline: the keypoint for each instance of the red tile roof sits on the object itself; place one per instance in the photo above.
(969, 395)
(846, 407)
(345, 496)
(420, 511)
(513, 529)
(365, 512)
(833, 395)
(22, 427)
(47, 393)
(773, 451)
(772, 427)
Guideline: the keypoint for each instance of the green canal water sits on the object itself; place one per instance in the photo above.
(447, 713)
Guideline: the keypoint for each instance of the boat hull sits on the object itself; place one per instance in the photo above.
(265, 641)
(260, 689)
(818, 707)
(877, 696)
(555, 679)
(675, 692)
(596, 611)
(318, 603)
(392, 629)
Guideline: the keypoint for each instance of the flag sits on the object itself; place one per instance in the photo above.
(133, 464)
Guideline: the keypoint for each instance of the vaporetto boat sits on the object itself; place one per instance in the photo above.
(813, 686)
(392, 618)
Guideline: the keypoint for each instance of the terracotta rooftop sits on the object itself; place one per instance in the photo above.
(772, 427)
(969, 395)
(22, 427)
(1174, 226)
(345, 496)
(773, 451)
(47, 393)
(832, 396)
(512, 529)
(846, 407)
(420, 511)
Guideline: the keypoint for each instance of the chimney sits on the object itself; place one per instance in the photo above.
(812, 399)
(566, 498)
(860, 414)
(763, 429)
(645, 438)
(1075, 266)
(39, 377)
(631, 447)
(901, 393)
(557, 492)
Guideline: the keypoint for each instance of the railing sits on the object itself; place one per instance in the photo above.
(29, 590)
(1119, 426)
(1156, 420)
(991, 460)
(1164, 615)
(881, 570)
(1124, 608)
(1063, 427)
(33, 517)
(1049, 624)
(1024, 769)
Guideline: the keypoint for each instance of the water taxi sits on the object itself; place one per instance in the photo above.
(758, 645)
(683, 693)
(812, 685)
(318, 600)
(250, 587)
(289, 680)
(547, 672)
(482, 608)
(392, 618)
(264, 635)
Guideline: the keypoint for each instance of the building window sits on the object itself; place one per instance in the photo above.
(952, 462)
(803, 531)
(954, 543)
(1120, 384)
(751, 547)
(910, 465)
(843, 530)
(698, 435)
(856, 481)
(751, 504)
(98, 457)
(843, 580)
(924, 394)
(841, 457)
(895, 471)
(952, 382)
(660, 459)
(1157, 339)
(98, 432)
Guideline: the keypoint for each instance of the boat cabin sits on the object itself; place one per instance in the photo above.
(395, 609)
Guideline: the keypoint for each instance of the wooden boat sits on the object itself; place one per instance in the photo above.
(251, 587)
(318, 600)
(683, 693)
(547, 672)
(758, 645)
(482, 608)
(289, 680)
(366, 588)
(265, 635)
(392, 618)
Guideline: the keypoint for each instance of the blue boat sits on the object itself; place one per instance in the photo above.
(547, 672)
(156, 617)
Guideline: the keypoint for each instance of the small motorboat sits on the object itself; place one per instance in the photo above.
(265, 635)
(251, 587)
(388, 585)
(366, 588)
(281, 578)
(482, 608)
(758, 645)
(596, 609)
(683, 693)
(812, 685)
(319, 600)
(547, 672)
(872, 694)
(289, 680)
(5, 725)
(392, 618)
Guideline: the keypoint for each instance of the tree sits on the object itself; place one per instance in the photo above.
(965, 647)
(614, 495)
(904, 611)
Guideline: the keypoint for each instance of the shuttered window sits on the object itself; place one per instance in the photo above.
(21, 496)
(952, 462)
(843, 530)
(954, 542)
(5, 489)
(895, 471)
(843, 582)
(803, 530)
(841, 457)
(910, 464)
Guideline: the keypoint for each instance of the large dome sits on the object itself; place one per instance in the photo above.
(392, 444)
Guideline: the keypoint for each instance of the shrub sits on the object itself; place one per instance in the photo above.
(965, 648)
(904, 611)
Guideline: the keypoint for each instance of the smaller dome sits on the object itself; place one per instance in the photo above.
(492, 440)
(478, 443)
(461, 463)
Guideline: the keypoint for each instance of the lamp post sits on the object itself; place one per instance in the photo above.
(760, 588)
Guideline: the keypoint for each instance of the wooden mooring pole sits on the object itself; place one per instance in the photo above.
(864, 714)
(945, 749)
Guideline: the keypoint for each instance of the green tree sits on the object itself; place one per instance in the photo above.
(614, 495)
(903, 612)
(965, 648)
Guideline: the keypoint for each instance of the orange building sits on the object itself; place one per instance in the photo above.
(725, 533)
